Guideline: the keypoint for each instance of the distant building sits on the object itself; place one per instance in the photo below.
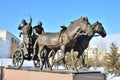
(8, 43)
(118, 51)
(94, 53)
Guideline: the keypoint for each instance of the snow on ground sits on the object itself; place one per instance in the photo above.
(102, 70)
(5, 62)
(8, 61)
(113, 77)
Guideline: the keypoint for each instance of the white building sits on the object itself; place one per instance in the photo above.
(8, 43)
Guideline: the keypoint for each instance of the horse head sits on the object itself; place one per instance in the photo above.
(83, 25)
(98, 28)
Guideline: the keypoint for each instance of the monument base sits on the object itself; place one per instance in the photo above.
(12, 74)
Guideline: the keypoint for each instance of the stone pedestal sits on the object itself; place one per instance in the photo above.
(11, 74)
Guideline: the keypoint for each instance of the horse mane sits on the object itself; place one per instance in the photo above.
(96, 23)
(78, 21)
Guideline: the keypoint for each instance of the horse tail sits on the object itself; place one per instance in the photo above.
(61, 32)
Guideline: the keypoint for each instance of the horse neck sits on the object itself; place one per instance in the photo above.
(71, 31)
(91, 36)
(94, 30)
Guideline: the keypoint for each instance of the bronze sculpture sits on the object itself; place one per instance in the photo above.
(82, 43)
(24, 50)
(84, 40)
(56, 41)
(37, 30)
(75, 37)
(26, 31)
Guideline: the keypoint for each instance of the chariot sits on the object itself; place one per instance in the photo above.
(20, 55)
(71, 39)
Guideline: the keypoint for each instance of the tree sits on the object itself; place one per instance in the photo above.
(89, 62)
(112, 60)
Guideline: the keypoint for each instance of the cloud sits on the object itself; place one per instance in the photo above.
(105, 43)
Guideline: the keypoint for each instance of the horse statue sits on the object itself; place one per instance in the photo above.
(81, 44)
(83, 41)
(60, 40)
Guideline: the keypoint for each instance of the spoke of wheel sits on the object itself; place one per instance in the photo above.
(14, 58)
(14, 61)
(17, 63)
(20, 58)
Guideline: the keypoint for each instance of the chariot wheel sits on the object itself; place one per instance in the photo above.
(18, 59)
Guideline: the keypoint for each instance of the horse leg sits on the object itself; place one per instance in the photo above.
(64, 62)
(40, 57)
(83, 60)
(77, 58)
(46, 59)
(51, 53)
(65, 65)
(49, 65)
(53, 57)
(80, 53)
(73, 60)
(62, 48)
(35, 49)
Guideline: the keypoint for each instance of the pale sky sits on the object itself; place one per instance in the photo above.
(54, 13)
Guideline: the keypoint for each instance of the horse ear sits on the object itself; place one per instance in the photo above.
(97, 22)
(71, 22)
(84, 18)
(81, 18)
